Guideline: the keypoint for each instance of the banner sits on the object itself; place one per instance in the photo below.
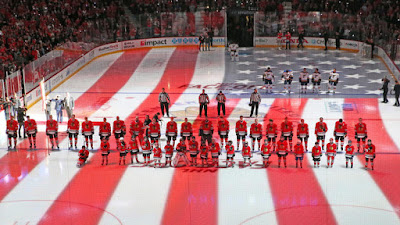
(13, 84)
(2, 90)
(43, 93)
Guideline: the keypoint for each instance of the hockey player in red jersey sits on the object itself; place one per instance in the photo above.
(172, 131)
(369, 154)
(230, 154)
(361, 134)
(186, 130)
(340, 133)
(299, 153)
(215, 152)
(223, 130)
(122, 150)
(316, 154)
(12, 128)
(119, 130)
(83, 155)
(241, 131)
(105, 150)
(266, 150)
(256, 133)
(204, 154)
(52, 131)
(31, 130)
(73, 131)
(181, 153)
(169, 151)
(349, 153)
(154, 132)
(206, 130)
(282, 151)
(87, 132)
(303, 133)
(136, 129)
(320, 131)
(193, 150)
(146, 150)
(246, 153)
(134, 149)
(104, 130)
(287, 131)
(272, 133)
(157, 156)
(331, 152)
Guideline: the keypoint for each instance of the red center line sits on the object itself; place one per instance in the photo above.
(95, 184)
(24, 163)
(193, 195)
(297, 194)
(386, 168)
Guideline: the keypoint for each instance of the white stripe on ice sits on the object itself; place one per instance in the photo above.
(391, 120)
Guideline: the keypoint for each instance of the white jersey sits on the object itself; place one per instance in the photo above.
(287, 75)
(334, 77)
(268, 75)
(316, 77)
(233, 47)
(304, 76)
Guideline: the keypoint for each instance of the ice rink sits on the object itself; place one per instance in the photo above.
(45, 187)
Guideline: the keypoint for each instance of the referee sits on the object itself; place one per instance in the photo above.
(163, 98)
(221, 99)
(255, 100)
(203, 101)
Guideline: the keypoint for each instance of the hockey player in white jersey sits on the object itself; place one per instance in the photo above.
(304, 80)
(316, 80)
(269, 79)
(333, 81)
(234, 50)
(287, 77)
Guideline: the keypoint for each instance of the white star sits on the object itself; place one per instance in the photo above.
(244, 56)
(308, 67)
(373, 92)
(243, 81)
(354, 87)
(319, 54)
(245, 63)
(261, 51)
(326, 62)
(244, 49)
(285, 63)
(329, 71)
(303, 58)
(368, 62)
(279, 55)
(354, 76)
(238, 92)
(351, 67)
(263, 59)
(260, 76)
(343, 58)
(265, 67)
(246, 71)
(325, 81)
(378, 81)
(376, 71)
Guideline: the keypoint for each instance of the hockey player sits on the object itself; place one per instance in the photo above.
(279, 39)
(316, 154)
(223, 130)
(31, 130)
(172, 131)
(234, 50)
(320, 131)
(316, 80)
(157, 154)
(105, 130)
(204, 154)
(256, 133)
(340, 133)
(119, 130)
(52, 131)
(134, 149)
(206, 130)
(12, 129)
(269, 79)
(105, 150)
(181, 153)
(287, 77)
(303, 133)
(304, 80)
(266, 150)
(154, 132)
(136, 129)
(331, 152)
(73, 131)
(361, 134)
(122, 150)
(299, 153)
(87, 132)
(287, 131)
(186, 130)
(230, 154)
(369, 154)
(146, 150)
(272, 133)
(333, 81)
(282, 151)
(349, 153)
(193, 150)
(215, 152)
(246, 153)
(83, 155)
(241, 131)
(169, 151)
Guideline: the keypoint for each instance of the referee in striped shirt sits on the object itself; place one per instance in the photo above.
(203, 101)
(221, 99)
(163, 98)
(255, 100)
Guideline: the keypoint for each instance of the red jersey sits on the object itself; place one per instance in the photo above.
(302, 130)
(361, 129)
(316, 151)
(119, 126)
(122, 148)
(193, 147)
(246, 151)
(272, 130)
(206, 127)
(223, 127)
(241, 127)
(349, 150)
(280, 35)
(256, 130)
(87, 128)
(105, 147)
(83, 154)
(204, 151)
(298, 149)
(230, 150)
(340, 128)
(287, 128)
(266, 149)
(321, 128)
(73, 126)
(12, 126)
(282, 146)
(105, 128)
(51, 126)
(186, 129)
(133, 145)
(136, 128)
(331, 148)
(172, 128)
(181, 147)
(169, 150)
(157, 152)
(215, 149)
(288, 37)
(370, 151)
(154, 129)
(146, 147)
(30, 126)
